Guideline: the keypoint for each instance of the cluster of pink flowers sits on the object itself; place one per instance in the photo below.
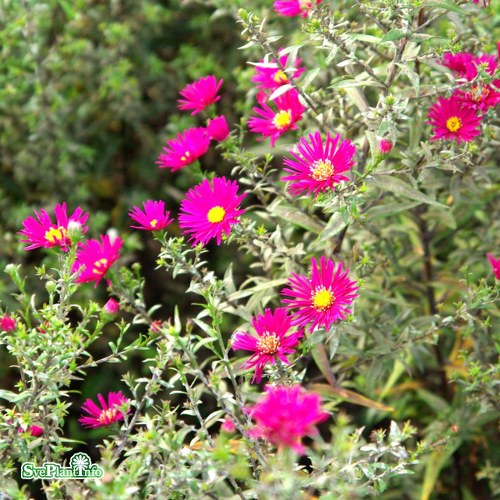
(93, 257)
(193, 143)
(459, 116)
(283, 112)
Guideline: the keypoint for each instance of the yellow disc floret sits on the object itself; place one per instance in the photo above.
(268, 343)
(322, 299)
(216, 214)
(322, 170)
(453, 123)
(280, 77)
(100, 266)
(282, 119)
(55, 234)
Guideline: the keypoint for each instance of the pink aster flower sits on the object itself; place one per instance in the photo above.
(285, 415)
(271, 342)
(322, 299)
(466, 65)
(209, 210)
(495, 264)
(318, 165)
(270, 76)
(153, 218)
(480, 97)
(275, 122)
(385, 146)
(218, 129)
(7, 323)
(200, 94)
(452, 120)
(44, 233)
(185, 149)
(295, 7)
(107, 414)
(93, 259)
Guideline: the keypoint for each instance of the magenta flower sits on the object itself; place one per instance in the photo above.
(218, 129)
(295, 7)
(322, 299)
(285, 415)
(270, 76)
(385, 146)
(7, 323)
(107, 414)
(153, 218)
(271, 342)
(452, 120)
(485, 2)
(200, 94)
(185, 149)
(479, 98)
(274, 123)
(209, 210)
(93, 259)
(43, 233)
(318, 166)
(495, 264)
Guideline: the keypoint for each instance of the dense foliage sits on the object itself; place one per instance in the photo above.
(245, 247)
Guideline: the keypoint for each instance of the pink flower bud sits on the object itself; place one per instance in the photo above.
(218, 129)
(385, 146)
(228, 425)
(111, 306)
(7, 323)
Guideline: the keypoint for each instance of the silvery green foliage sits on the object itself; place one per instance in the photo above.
(410, 378)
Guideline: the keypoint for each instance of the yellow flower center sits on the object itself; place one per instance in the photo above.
(108, 416)
(268, 343)
(453, 124)
(185, 156)
(282, 119)
(216, 214)
(280, 77)
(100, 266)
(322, 299)
(55, 234)
(321, 170)
(153, 222)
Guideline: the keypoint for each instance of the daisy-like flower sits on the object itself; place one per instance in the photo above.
(452, 120)
(200, 94)
(209, 210)
(268, 75)
(323, 298)
(275, 122)
(465, 65)
(218, 128)
(271, 342)
(185, 149)
(318, 165)
(495, 264)
(107, 414)
(153, 218)
(7, 323)
(479, 97)
(43, 233)
(93, 259)
(295, 7)
(286, 415)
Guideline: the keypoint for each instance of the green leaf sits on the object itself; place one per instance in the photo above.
(447, 6)
(399, 187)
(392, 35)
